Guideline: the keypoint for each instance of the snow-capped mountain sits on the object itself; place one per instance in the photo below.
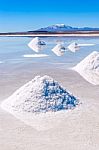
(57, 27)
(63, 27)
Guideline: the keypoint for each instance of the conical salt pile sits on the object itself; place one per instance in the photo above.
(89, 68)
(73, 47)
(42, 94)
(59, 50)
(36, 44)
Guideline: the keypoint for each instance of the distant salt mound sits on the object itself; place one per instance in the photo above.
(59, 50)
(36, 44)
(89, 68)
(42, 94)
(37, 41)
(73, 47)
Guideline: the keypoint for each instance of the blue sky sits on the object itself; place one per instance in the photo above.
(26, 15)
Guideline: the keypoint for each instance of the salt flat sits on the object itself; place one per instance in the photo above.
(78, 131)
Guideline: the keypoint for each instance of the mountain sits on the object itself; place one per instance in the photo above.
(63, 27)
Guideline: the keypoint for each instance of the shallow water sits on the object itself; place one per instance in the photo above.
(12, 50)
(16, 69)
(81, 129)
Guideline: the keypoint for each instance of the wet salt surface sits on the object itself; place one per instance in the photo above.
(80, 130)
(17, 67)
(13, 49)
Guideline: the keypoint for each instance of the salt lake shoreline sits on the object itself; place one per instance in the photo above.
(52, 35)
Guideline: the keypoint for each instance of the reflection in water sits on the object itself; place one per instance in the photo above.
(36, 44)
(86, 44)
(12, 50)
(73, 47)
(59, 50)
(1, 62)
(59, 42)
(37, 48)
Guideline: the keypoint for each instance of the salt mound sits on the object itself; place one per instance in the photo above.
(36, 44)
(73, 47)
(37, 41)
(59, 50)
(89, 68)
(42, 94)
